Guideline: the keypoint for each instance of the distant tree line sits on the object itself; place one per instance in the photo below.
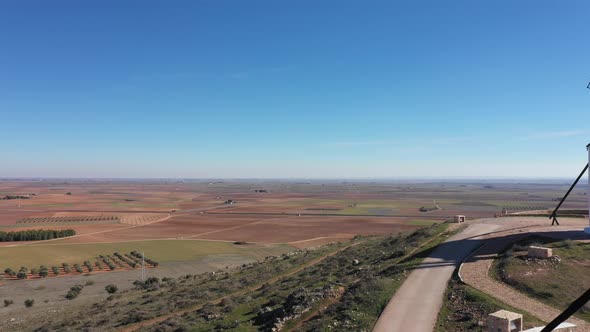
(36, 234)
(7, 197)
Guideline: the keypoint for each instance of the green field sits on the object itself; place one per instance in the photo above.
(354, 207)
(158, 250)
(422, 222)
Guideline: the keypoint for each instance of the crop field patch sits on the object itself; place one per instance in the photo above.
(158, 250)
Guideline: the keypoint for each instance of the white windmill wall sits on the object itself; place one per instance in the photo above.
(587, 229)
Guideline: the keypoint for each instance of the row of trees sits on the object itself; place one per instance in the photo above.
(129, 262)
(133, 260)
(108, 262)
(148, 260)
(23, 272)
(68, 219)
(35, 234)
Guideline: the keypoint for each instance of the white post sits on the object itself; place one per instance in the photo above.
(142, 266)
(587, 229)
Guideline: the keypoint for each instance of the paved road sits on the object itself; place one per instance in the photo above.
(416, 304)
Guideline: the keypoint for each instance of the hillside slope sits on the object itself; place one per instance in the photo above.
(335, 287)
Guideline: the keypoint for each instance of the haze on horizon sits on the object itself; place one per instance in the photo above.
(294, 89)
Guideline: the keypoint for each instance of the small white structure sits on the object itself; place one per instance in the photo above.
(563, 327)
(508, 321)
(459, 218)
(540, 252)
(504, 321)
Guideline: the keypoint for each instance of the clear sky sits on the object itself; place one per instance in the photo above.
(311, 89)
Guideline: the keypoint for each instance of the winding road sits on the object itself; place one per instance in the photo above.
(416, 304)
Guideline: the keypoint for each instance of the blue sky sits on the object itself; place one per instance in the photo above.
(311, 89)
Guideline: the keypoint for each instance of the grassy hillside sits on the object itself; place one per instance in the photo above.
(466, 309)
(341, 287)
(556, 282)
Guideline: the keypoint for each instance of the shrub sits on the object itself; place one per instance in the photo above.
(8, 302)
(55, 270)
(21, 275)
(151, 284)
(74, 292)
(29, 303)
(70, 295)
(89, 282)
(111, 288)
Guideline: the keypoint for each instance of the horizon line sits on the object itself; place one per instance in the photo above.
(294, 178)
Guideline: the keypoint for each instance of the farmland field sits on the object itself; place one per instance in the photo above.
(285, 212)
(206, 226)
(161, 251)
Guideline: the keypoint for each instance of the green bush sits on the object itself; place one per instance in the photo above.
(43, 272)
(111, 288)
(74, 292)
(8, 302)
(29, 303)
(78, 268)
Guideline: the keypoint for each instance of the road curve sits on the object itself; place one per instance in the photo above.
(416, 304)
